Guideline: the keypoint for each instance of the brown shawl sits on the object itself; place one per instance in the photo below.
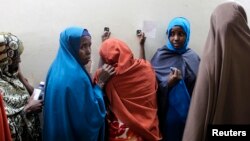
(222, 91)
(132, 91)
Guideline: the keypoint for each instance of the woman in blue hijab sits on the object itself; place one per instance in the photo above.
(176, 67)
(74, 108)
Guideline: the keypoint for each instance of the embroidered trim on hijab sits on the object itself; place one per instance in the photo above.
(185, 25)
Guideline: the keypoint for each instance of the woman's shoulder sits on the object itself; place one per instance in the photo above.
(162, 54)
(191, 54)
(163, 48)
(191, 51)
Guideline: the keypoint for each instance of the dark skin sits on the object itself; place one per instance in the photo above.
(85, 50)
(177, 39)
(32, 105)
(25, 81)
(142, 40)
(105, 35)
(85, 54)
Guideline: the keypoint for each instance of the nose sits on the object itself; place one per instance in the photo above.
(88, 50)
(176, 37)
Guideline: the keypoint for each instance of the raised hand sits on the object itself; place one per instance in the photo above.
(142, 39)
(106, 72)
(105, 35)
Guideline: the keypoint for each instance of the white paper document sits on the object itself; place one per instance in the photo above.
(149, 28)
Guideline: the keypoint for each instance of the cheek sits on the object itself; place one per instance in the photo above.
(183, 39)
(171, 39)
(81, 55)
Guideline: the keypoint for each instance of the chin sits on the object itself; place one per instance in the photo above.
(85, 62)
(178, 47)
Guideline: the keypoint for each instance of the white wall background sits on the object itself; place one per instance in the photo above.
(38, 24)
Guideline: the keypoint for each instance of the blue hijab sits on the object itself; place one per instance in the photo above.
(173, 102)
(184, 24)
(74, 109)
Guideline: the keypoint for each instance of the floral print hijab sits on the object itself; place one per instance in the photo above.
(10, 49)
(15, 94)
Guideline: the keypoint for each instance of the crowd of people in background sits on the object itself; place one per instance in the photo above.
(175, 96)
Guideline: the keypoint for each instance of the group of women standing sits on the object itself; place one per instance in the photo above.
(133, 99)
(76, 110)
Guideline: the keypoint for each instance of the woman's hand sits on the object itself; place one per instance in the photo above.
(142, 39)
(174, 77)
(106, 72)
(105, 35)
(33, 105)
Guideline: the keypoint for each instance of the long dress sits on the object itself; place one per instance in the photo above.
(221, 94)
(131, 94)
(74, 108)
(174, 102)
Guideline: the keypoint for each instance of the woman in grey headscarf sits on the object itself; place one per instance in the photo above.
(221, 94)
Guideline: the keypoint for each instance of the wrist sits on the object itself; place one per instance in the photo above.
(26, 109)
(142, 44)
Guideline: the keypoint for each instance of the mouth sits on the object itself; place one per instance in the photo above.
(176, 44)
(87, 60)
(88, 57)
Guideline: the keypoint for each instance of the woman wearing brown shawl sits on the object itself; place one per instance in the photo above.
(131, 93)
(221, 94)
(19, 106)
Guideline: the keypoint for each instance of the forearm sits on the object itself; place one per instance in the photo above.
(28, 87)
(142, 39)
(25, 82)
(142, 52)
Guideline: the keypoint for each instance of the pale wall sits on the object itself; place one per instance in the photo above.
(38, 24)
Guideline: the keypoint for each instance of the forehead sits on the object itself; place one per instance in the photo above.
(85, 39)
(177, 28)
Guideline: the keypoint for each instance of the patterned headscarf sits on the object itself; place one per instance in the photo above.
(15, 95)
(10, 49)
